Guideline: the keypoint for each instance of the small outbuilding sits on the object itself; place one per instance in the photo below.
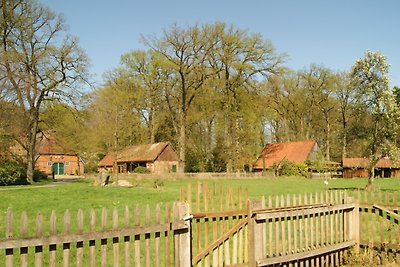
(158, 158)
(358, 167)
(296, 151)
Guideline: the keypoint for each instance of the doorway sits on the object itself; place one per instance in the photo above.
(58, 168)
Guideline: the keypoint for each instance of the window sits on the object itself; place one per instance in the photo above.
(49, 163)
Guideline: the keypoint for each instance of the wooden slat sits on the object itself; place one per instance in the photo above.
(137, 237)
(39, 233)
(218, 214)
(157, 236)
(264, 215)
(23, 234)
(79, 244)
(103, 241)
(167, 221)
(53, 247)
(304, 255)
(388, 212)
(147, 237)
(92, 242)
(9, 234)
(214, 236)
(115, 240)
(127, 239)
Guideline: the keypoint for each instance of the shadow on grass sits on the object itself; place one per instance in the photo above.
(353, 188)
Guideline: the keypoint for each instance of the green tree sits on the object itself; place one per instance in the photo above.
(114, 119)
(39, 62)
(240, 60)
(148, 71)
(319, 82)
(396, 89)
(186, 51)
(370, 77)
(346, 97)
(67, 123)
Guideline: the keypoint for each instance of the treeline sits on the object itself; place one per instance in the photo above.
(219, 94)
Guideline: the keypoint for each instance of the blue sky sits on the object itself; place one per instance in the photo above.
(329, 33)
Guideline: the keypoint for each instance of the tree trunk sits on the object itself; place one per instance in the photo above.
(328, 143)
(152, 124)
(344, 145)
(182, 143)
(371, 172)
(31, 149)
(344, 138)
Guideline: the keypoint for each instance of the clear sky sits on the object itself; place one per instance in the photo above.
(324, 32)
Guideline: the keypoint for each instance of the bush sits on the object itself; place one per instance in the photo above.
(141, 169)
(12, 173)
(289, 168)
(38, 175)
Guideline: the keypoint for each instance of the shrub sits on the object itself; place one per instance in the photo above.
(38, 175)
(158, 183)
(141, 169)
(12, 173)
(289, 168)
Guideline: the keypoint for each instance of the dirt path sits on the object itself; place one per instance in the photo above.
(53, 184)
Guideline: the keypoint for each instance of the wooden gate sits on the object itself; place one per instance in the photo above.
(302, 230)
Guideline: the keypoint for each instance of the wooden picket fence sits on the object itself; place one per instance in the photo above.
(157, 242)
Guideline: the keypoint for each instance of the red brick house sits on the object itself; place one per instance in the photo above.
(158, 158)
(54, 158)
(296, 151)
(358, 167)
(51, 157)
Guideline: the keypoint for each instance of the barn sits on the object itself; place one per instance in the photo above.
(296, 151)
(358, 167)
(158, 158)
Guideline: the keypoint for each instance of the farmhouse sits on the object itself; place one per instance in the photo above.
(297, 151)
(51, 157)
(54, 159)
(158, 158)
(358, 167)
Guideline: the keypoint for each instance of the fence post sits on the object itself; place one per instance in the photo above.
(256, 248)
(356, 226)
(353, 223)
(182, 240)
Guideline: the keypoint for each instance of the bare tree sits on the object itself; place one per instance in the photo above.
(39, 62)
